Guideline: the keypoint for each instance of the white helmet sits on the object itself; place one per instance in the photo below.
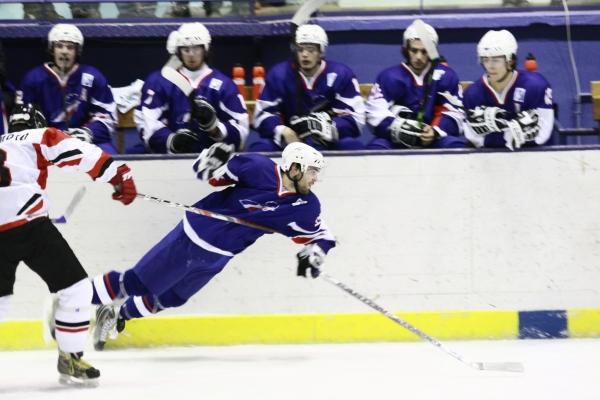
(65, 33)
(312, 34)
(303, 154)
(193, 34)
(411, 34)
(172, 42)
(497, 43)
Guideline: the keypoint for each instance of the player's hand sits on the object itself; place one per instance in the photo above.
(212, 159)
(310, 257)
(428, 135)
(125, 190)
(204, 113)
(83, 134)
(182, 141)
(289, 135)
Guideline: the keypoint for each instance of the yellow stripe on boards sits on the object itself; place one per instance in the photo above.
(583, 323)
(288, 328)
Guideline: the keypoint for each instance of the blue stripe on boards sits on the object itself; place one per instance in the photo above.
(543, 324)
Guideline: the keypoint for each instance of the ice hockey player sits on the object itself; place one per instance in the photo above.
(309, 99)
(198, 248)
(74, 97)
(28, 235)
(214, 112)
(417, 104)
(507, 106)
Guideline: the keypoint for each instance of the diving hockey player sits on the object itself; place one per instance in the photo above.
(198, 248)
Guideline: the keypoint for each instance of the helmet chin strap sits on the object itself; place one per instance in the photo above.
(296, 180)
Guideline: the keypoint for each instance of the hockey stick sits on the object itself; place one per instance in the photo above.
(206, 213)
(481, 366)
(303, 14)
(170, 73)
(434, 56)
(71, 207)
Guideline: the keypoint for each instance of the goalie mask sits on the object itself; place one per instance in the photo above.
(25, 116)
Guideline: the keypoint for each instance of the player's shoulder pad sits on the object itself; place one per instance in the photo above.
(97, 75)
(534, 79)
(340, 69)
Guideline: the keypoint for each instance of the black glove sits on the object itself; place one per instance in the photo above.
(83, 134)
(212, 159)
(182, 141)
(407, 132)
(204, 113)
(310, 257)
(317, 125)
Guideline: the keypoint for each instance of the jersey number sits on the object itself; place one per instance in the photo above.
(5, 177)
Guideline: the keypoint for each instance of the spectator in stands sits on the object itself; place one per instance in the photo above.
(47, 11)
(175, 122)
(507, 107)
(7, 94)
(136, 10)
(74, 97)
(309, 99)
(416, 104)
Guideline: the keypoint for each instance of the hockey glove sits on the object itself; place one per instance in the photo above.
(406, 132)
(182, 141)
(316, 125)
(125, 190)
(204, 113)
(525, 127)
(484, 120)
(310, 257)
(83, 134)
(211, 159)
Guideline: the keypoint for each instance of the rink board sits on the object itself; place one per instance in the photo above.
(327, 328)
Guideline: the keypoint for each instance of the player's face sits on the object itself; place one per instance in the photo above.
(496, 68)
(418, 58)
(64, 54)
(192, 56)
(308, 180)
(309, 57)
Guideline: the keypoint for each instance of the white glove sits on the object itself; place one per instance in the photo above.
(484, 120)
(211, 159)
(317, 125)
(83, 134)
(407, 132)
(513, 135)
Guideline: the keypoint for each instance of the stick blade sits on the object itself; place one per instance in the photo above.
(499, 366)
(177, 79)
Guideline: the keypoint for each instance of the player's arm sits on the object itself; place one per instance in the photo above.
(102, 113)
(226, 122)
(449, 113)
(268, 120)
(154, 105)
(348, 107)
(61, 150)
(212, 165)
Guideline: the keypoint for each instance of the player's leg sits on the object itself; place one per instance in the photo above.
(202, 266)
(53, 260)
(349, 143)
(450, 142)
(9, 261)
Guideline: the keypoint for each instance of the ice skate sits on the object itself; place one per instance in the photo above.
(108, 324)
(74, 370)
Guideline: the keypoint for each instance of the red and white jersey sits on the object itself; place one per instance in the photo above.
(24, 160)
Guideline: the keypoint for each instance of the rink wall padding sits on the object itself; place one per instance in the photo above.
(422, 233)
(327, 328)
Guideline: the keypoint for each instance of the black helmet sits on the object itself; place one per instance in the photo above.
(25, 116)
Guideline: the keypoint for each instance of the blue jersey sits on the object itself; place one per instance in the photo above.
(258, 196)
(526, 91)
(288, 93)
(82, 99)
(400, 86)
(165, 109)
